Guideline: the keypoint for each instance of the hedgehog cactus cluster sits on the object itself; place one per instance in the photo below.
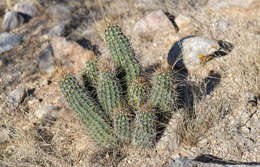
(125, 108)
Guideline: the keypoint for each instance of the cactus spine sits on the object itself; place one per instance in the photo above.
(89, 112)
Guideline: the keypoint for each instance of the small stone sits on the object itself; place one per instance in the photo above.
(57, 30)
(16, 97)
(47, 60)
(46, 112)
(182, 21)
(9, 41)
(60, 13)
(26, 8)
(4, 137)
(155, 21)
(12, 20)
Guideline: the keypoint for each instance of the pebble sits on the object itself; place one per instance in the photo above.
(9, 41)
(12, 20)
(46, 112)
(60, 13)
(26, 8)
(16, 97)
(47, 60)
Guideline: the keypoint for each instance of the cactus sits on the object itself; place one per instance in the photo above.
(122, 53)
(88, 112)
(144, 132)
(90, 72)
(137, 93)
(109, 97)
(108, 113)
(122, 126)
(108, 92)
(162, 95)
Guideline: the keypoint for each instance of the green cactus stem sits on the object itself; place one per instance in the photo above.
(144, 130)
(162, 93)
(137, 93)
(108, 91)
(88, 111)
(90, 72)
(122, 128)
(121, 52)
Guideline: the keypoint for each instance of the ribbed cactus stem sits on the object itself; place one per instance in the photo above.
(90, 72)
(144, 130)
(162, 93)
(88, 111)
(122, 126)
(137, 92)
(121, 52)
(108, 91)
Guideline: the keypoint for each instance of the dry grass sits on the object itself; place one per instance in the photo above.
(211, 119)
(199, 118)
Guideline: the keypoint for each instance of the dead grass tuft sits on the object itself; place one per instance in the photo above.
(198, 118)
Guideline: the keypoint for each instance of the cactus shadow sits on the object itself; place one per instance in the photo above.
(85, 43)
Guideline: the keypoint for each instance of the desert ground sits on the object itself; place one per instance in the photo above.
(38, 128)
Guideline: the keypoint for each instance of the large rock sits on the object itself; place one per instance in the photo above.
(26, 8)
(9, 41)
(12, 20)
